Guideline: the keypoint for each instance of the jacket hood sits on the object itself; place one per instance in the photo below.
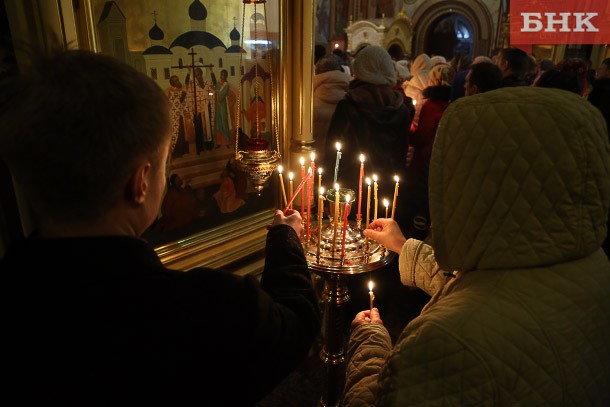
(519, 177)
(330, 87)
(381, 102)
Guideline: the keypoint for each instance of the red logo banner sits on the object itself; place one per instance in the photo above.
(559, 22)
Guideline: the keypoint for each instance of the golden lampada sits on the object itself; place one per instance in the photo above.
(257, 158)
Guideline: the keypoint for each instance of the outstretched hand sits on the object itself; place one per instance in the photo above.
(291, 218)
(387, 232)
(367, 317)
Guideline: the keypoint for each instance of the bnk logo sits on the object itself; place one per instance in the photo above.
(569, 22)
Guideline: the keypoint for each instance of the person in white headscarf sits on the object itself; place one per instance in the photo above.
(415, 86)
(372, 119)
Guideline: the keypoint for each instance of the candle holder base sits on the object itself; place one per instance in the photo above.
(361, 255)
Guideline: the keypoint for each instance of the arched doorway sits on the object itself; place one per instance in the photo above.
(474, 12)
(449, 35)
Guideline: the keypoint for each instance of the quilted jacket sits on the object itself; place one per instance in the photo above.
(519, 194)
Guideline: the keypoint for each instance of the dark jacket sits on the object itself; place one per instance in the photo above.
(100, 320)
(371, 120)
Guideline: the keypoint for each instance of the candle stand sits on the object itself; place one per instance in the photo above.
(327, 261)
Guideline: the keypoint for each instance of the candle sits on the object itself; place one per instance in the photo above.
(320, 215)
(371, 295)
(376, 201)
(395, 196)
(359, 214)
(310, 191)
(386, 203)
(290, 176)
(335, 220)
(338, 145)
(299, 188)
(302, 161)
(279, 170)
(319, 178)
(345, 213)
(368, 202)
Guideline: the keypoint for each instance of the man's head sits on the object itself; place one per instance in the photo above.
(174, 81)
(86, 136)
(224, 74)
(482, 77)
(603, 71)
(513, 62)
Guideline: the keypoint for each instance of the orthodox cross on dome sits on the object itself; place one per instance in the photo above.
(154, 13)
(234, 22)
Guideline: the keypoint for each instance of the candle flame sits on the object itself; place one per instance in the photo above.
(290, 175)
(414, 102)
(321, 190)
(312, 156)
(371, 285)
(280, 169)
(348, 198)
(338, 145)
(368, 181)
(336, 187)
(396, 178)
(361, 158)
(320, 170)
(374, 178)
(386, 203)
(302, 161)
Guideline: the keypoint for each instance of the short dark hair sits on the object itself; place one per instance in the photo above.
(73, 124)
(319, 52)
(486, 76)
(517, 59)
(554, 78)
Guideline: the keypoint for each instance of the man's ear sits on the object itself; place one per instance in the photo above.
(138, 185)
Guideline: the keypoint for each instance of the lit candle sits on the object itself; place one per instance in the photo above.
(279, 170)
(338, 145)
(319, 178)
(302, 161)
(345, 213)
(368, 202)
(376, 201)
(310, 191)
(371, 295)
(395, 196)
(299, 188)
(359, 214)
(386, 203)
(335, 219)
(414, 102)
(290, 176)
(320, 215)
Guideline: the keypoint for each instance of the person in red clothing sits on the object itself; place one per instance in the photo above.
(436, 99)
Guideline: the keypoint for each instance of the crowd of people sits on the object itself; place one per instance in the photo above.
(502, 219)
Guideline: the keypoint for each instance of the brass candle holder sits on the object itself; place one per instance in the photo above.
(361, 255)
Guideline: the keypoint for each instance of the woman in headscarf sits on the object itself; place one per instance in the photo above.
(415, 86)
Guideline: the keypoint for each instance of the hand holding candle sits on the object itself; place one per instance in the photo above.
(279, 170)
(395, 196)
(371, 295)
(338, 145)
(359, 214)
